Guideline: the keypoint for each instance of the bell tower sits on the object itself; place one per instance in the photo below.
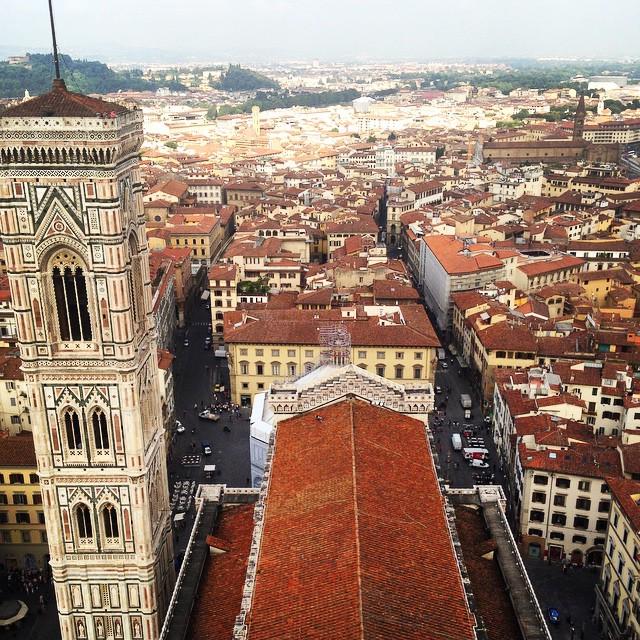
(578, 121)
(72, 223)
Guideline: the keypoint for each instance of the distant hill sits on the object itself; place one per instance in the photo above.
(84, 76)
(235, 78)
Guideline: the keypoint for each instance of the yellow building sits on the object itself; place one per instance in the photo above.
(487, 341)
(23, 538)
(617, 595)
(395, 342)
(223, 281)
(203, 234)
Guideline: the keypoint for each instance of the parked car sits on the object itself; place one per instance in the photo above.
(206, 448)
(186, 342)
(179, 427)
(444, 365)
(438, 390)
(554, 615)
(487, 419)
(209, 415)
(476, 463)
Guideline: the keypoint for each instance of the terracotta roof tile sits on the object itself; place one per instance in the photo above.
(355, 543)
(220, 590)
(18, 451)
(60, 102)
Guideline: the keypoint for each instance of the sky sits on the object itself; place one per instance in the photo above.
(327, 30)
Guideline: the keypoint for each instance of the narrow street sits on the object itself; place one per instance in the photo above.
(453, 382)
(196, 372)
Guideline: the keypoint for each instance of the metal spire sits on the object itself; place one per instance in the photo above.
(56, 62)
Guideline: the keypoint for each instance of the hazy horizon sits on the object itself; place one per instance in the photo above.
(333, 30)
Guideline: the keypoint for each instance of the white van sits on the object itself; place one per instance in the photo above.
(477, 453)
(456, 441)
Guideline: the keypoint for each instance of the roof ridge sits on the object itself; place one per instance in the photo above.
(356, 524)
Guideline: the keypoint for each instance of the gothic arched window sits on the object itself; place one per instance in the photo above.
(83, 522)
(100, 429)
(71, 300)
(72, 429)
(110, 521)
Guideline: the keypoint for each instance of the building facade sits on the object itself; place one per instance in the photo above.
(23, 537)
(72, 223)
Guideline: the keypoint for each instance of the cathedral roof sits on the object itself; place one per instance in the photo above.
(60, 102)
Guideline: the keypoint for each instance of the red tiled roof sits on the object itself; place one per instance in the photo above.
(355, 543)
(316, 296)
(220, 590)
(449, 251)
(579, 460)
(631, 458)
(548, 266)
(18, 451)
(489, 590)
(627, 494)
(60, 103)
(392, 290)
(301, 326)
(226, 272)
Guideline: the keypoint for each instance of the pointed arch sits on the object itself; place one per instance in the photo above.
(70, 297)
(83, 521)
(72, 429)
(110, 521)
(99, 429)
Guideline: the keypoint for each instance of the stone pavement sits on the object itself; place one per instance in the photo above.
(572, 594)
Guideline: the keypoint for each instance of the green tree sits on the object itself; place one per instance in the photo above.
(171, 144)
(212, 112)
(371, 139)
(235, 78)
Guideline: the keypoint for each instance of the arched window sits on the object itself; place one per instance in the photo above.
(83, 522)
(72, 430)
(70, 293)
(100, 430)
(219, 315)
(110, 521)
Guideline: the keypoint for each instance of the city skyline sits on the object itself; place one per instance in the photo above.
(279, 30)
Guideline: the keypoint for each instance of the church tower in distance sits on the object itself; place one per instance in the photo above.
(72, 224)
(578, 121)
